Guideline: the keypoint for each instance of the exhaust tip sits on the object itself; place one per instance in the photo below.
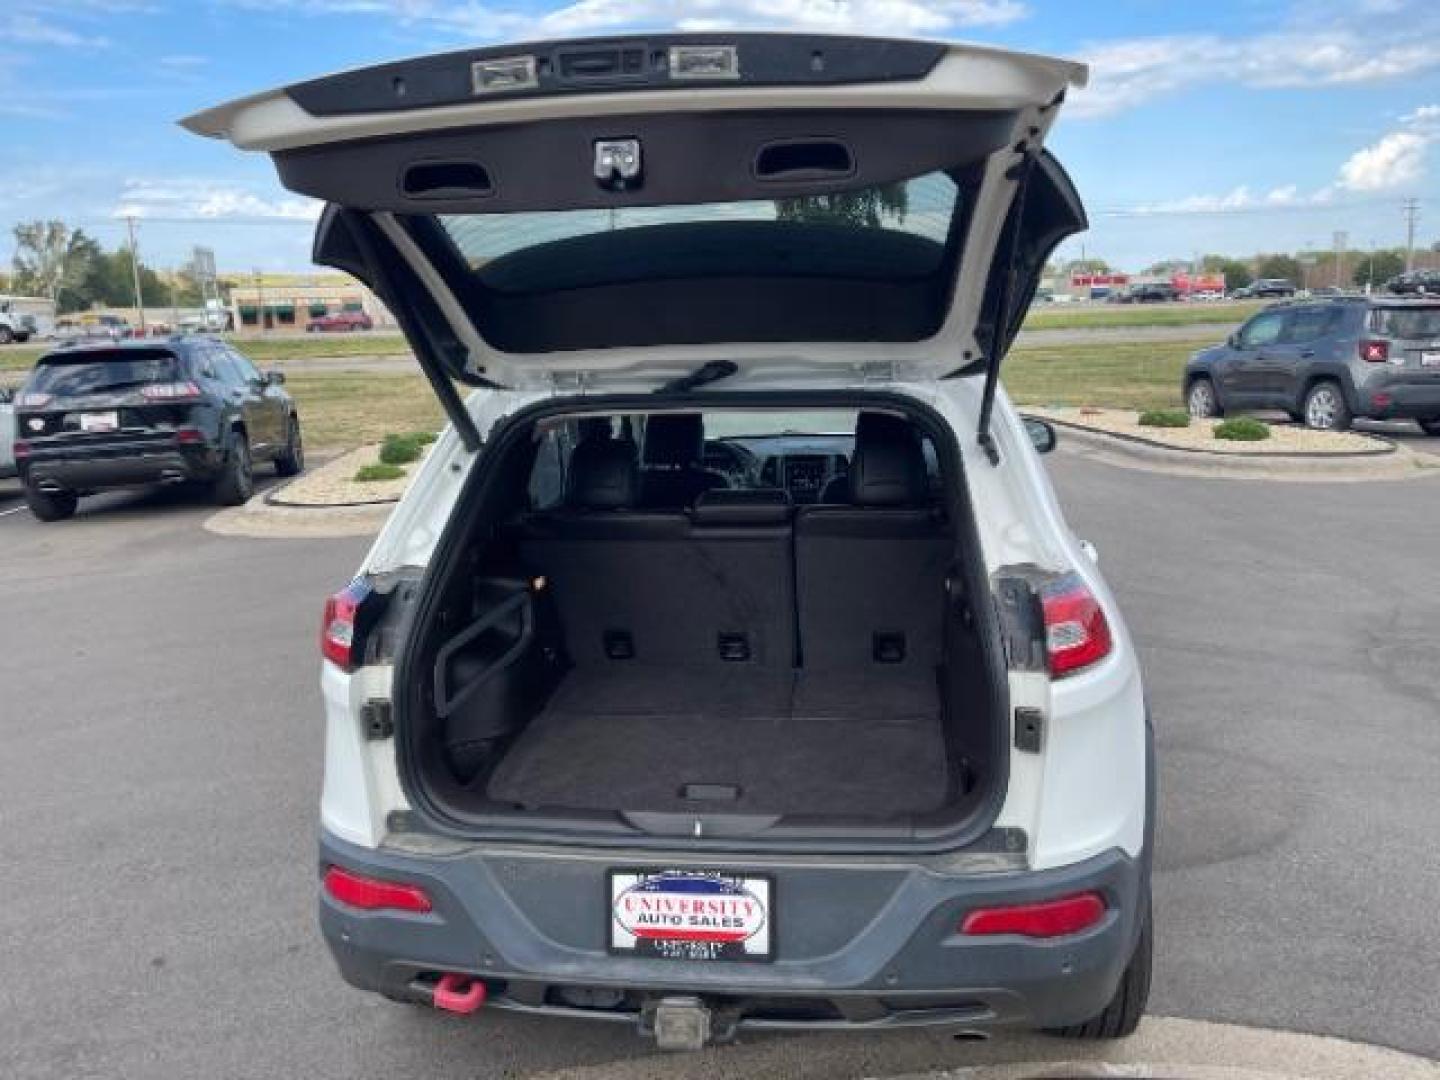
(971, 1035)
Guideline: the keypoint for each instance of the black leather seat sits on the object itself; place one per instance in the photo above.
(651, 586)
(672, 470)
(870, 575)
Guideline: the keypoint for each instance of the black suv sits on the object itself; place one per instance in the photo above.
(1326, 362)
(192, 409)
(1415, 283)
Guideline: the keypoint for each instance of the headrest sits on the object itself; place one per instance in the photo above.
(674, 440)
(888, 466)
(742, 506)
(603, 475)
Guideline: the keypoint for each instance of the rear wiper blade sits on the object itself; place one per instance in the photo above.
(713, 371)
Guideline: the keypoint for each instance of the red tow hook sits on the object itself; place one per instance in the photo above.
(462, 994)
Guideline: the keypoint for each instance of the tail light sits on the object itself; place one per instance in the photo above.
(189, 436)
(373, 894)
(171, 391)
(33, 400)
(20, 449)
(341, 640)
(1375, 352)
(1076, 631)
(1048, 919)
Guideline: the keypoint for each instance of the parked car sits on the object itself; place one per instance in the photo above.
(94, 417)
(1327, 362)
(1157, 293)
(15, 325)
(7, 432)
(914, 780)
(1415, 283)
(339, 321)
(1271, 288)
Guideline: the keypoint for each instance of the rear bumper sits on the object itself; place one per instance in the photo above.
(100, 468)
(858, 946)
(1402, 400)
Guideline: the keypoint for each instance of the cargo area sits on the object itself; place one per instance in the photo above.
(744, 632)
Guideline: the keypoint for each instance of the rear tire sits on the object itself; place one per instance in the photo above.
(1201, 401)
(49, 506)
(1325, 408)
(291, 461)
(1430, 427)
(1122, 1016)
(237, 482)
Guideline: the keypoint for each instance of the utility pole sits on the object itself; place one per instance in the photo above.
(135, 270)
(1411, 210)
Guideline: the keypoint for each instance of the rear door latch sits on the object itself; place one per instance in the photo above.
(617, 164)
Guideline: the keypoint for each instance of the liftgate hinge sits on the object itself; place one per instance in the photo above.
(378, 719)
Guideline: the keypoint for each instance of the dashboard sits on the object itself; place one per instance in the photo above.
(801, 465)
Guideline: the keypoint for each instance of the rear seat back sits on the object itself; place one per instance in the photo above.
(870, 575)
(663, 587)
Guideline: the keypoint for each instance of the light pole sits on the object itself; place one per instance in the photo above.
(135, 271)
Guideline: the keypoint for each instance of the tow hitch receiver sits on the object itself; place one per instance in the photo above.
(678, 1023)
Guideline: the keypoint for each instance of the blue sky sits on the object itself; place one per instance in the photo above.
(1227, 125)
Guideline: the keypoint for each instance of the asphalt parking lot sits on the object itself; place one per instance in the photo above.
(163, 730)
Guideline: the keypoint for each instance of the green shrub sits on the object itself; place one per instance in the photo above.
(1242, 429)
(370, 473)
(1173, 418)
(424, 438)
(399, 449)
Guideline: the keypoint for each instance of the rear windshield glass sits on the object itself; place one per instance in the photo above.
(1418, 322)
(71, 376)
(922, 207)
(875, 264)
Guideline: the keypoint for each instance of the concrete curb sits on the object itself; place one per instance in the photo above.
(265, 520)
(1394, 463)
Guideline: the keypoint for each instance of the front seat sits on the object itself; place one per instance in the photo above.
(887, 465)
(672, 473)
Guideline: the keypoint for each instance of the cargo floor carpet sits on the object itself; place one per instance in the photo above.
(838, 744)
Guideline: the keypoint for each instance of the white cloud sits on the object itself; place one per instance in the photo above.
(1237, 200)
(1397, 160)
(485, 22)
(27, 29)
(1321, 46)
(187, 198)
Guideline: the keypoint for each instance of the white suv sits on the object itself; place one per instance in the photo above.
(729, 662)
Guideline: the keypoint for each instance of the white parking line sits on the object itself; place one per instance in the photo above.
(14, 510)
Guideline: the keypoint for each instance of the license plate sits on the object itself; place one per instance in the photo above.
(691, 915)
(1430, 359)
(99, 421)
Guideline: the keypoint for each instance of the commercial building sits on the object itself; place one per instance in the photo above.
(289, 301)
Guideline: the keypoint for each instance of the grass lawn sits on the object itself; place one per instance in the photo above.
(261, 350)
(1121, 375)
(342, 411)
(1065, 317)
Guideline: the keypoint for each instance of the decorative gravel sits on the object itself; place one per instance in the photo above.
(1284, 438)
(334, 483)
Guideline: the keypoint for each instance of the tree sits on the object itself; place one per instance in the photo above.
(1087, 266)
(1237, 274)
(73, 294)
(49, 255)
(859, 209)
(1169, 267)
(1379, 267)
(1281, 266)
